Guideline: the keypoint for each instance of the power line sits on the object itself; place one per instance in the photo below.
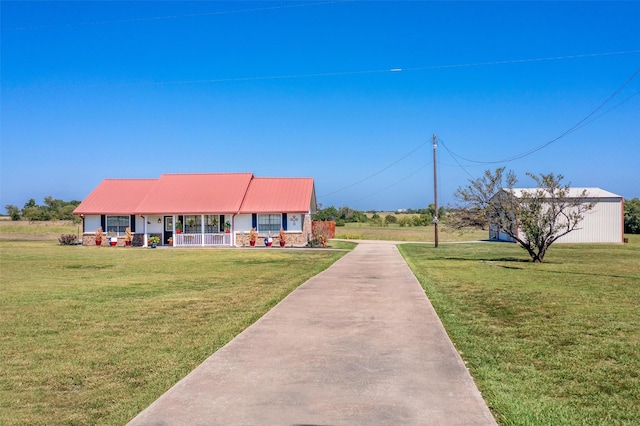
(583, 122)
(371, 71)
(518, 61)
(374, 174)
(393, 184)
(167, 17)
(454, 158)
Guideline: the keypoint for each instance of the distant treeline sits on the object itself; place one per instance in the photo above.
(632, 216)
(409, 217)
(52, 209)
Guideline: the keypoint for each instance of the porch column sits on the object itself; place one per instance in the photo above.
(144, 236)
(202, 230)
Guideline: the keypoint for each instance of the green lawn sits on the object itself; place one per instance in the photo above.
(93, 335)
(366, 231)
(556, 343)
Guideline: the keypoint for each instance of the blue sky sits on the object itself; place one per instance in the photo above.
(94, 90)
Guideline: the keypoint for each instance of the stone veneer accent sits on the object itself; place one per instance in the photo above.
(293, 238)
(89, 239)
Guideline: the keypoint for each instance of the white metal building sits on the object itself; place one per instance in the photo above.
(603, 224)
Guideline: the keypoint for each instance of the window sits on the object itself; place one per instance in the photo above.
(118, 224)
(269, 223)
(193, 224)
(211, 223)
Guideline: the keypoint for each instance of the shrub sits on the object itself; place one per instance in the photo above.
(405, 221)
(68, 239)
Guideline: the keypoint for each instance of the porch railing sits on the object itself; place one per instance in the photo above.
(202, 239)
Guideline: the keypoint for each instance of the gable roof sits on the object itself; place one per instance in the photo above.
(272, 195)
(196, 193)
(224, 193)
(115, 196)
(574, 192)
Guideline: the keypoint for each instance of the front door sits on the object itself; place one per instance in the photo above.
(168, 230)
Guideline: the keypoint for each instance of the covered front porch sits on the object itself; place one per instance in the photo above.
(208, 239)
(191, 230)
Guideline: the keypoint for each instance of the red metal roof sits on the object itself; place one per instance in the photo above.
(116, 196)
(224, 193)
(196, 194)
(273, 195)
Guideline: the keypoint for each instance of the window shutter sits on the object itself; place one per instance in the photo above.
(284, 221)
(254, 220)
(132, 225)
(103, 222)
(221, 222)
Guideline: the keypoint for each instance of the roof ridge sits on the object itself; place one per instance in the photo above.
(207, 173)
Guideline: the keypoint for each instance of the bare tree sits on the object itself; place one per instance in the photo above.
(534, 218)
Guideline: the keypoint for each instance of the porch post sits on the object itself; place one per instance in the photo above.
(144, 236)
(202, 229)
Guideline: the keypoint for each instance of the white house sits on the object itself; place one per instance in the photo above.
(209, 209)
(603, 224)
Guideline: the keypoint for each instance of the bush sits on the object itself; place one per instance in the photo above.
(405, 221)
(68, 239)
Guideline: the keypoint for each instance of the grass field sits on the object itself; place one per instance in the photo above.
(365, 231)
(556, 343)
(93, 335)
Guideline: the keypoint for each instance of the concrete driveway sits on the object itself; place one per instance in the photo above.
(358, 344)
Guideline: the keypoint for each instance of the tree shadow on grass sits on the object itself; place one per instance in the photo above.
(515, 261)
(493, 259)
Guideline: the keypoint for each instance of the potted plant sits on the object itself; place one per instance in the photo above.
(99, 236)
(282, 238)
(214, 224)
(170, 240)
(154, 241)
(227, 227)
(113, 239)
(127, 237)
(178, 227)
(253, 236)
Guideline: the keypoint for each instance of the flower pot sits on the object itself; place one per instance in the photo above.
(227, 231)
(178, 231)
(127, 243)
(98, 242)
(153, 245)
(283, 243)
(252, 243)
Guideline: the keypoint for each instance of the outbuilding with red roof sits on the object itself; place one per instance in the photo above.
(206, 209)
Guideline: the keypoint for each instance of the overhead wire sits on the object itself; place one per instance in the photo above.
(583, 122)
(394, 184)
(166, 17)
(369, 71)
(376, 173)
(454, 157)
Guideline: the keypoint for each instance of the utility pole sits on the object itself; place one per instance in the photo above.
(435, 190)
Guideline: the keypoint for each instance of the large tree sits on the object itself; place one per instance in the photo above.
(542, 214)
(632, 216)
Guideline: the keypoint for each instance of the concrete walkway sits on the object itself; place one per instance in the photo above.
(358, 344)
